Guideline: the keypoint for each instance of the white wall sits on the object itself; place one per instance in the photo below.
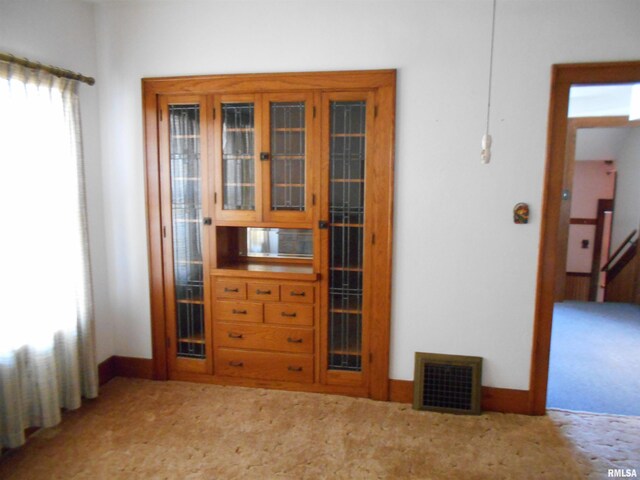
(602, 143)
(63, 34)
(626, 214)
(464, 275)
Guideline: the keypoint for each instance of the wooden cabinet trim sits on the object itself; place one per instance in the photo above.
(271, 82)
(170, 338)
(380, 84)
(218, 197)
(299, 218)
(280, 273)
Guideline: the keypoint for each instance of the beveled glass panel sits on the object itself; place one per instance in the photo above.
(288, 152)
(186, 214)
(238, 159)
(346, 229)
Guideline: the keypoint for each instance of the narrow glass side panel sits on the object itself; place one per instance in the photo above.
(346, 228)
(186, 212)
(238, 160)
(288, 156)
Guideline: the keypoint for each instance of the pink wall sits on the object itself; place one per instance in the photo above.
(592, 180)
(590, 183)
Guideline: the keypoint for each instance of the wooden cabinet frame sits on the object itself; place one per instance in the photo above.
(378, 87)
(246, 215)
(310, 132)
(164, 101)
(344, 377)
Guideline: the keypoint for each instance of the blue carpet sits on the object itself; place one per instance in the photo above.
(595, 358)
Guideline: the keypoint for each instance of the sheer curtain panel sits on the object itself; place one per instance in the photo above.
(47, 346)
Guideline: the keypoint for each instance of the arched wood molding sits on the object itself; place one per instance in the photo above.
(563, 76)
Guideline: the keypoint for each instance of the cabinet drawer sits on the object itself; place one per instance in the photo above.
(297, 293)
(264, 291)
(231, 289)
(238, 311)
(265, 366)
(264, 337)
(288, 313)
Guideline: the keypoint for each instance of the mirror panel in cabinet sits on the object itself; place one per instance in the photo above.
(276, 242)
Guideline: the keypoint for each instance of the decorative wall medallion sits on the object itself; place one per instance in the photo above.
(521, 213)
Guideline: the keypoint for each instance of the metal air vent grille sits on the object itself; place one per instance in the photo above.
(447, 383)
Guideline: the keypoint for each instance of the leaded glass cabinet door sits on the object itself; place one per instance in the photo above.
(237, 143)
(348, 119)
(287, 157)
(183, 176)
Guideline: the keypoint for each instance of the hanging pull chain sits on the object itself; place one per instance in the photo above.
(485, 155)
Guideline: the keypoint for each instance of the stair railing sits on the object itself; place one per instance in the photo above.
(612, 259)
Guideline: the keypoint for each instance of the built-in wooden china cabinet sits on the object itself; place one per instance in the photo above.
(269, 214)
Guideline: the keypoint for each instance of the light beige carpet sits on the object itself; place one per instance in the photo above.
(144, 429)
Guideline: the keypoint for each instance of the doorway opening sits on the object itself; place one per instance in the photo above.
(596, 323)
(588, 270)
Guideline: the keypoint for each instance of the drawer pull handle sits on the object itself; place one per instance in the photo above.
(294, 340)
(294, 369)
(290, 315)
(298, 294)
(231, 290)
(239, 312)
(263, 292)
(236, 364)
(235, 335)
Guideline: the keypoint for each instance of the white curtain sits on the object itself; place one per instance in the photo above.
(47, 346)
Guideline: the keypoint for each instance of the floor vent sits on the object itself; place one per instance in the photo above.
(447, 383)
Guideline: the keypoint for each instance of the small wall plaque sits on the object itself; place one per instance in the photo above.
(521, 213)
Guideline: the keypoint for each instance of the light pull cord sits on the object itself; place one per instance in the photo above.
(485, 155)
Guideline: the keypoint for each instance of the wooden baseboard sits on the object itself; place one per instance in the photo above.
(134, 367)
(493, 399)
(502, 400)
(505, 400)
(116, 366)
(106, 371)
(401, 391)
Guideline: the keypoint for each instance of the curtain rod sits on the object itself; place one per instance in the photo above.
(58, 72)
